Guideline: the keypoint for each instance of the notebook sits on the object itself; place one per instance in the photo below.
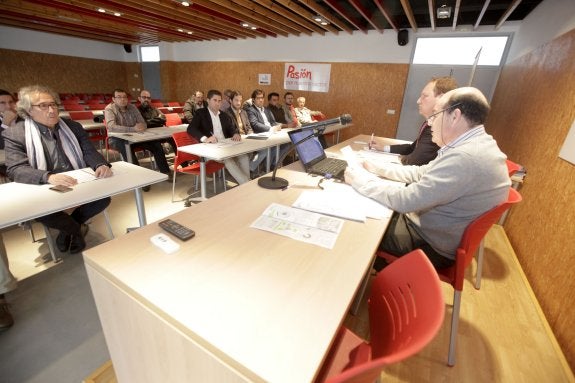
(313, 158)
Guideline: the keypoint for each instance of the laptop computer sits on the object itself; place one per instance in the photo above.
(313, 158)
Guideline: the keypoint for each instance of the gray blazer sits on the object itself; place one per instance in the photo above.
(18, 167)
(257, 121)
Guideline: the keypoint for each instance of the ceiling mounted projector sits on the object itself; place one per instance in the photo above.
(444, 12)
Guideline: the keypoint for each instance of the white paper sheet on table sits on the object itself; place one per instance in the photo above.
(341, 200)
(378, 156)
(300, 225)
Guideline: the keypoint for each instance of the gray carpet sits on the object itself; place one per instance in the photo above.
(57, 336)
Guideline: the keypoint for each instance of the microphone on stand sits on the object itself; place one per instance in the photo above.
(274, 182)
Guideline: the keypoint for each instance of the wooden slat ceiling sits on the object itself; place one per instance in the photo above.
(154, 21)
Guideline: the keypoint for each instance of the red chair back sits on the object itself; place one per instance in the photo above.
(173, 119)
(84, 115)
(472, 236)
(184, 139)
(173, 103)
(406, 311)
(512, 167)
(74, 107)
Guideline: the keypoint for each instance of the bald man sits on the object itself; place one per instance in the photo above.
(468, 178)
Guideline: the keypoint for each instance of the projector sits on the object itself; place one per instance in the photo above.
(443, 12)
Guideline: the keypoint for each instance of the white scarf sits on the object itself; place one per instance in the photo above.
(35, 150)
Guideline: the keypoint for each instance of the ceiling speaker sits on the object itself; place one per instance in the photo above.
(402, 37)
(128, 48)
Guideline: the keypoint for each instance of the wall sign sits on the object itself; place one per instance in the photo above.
(310, 77)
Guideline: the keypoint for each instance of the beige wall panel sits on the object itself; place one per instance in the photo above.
(66, 74)
(533, 109)
(365, 91)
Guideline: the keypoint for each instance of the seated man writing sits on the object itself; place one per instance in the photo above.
(42, 147)
(468, 178)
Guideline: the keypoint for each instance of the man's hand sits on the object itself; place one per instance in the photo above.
(237, 137)
(370, 167)
(140, 127)
(103, 171)
(211, 140)
(62, 179)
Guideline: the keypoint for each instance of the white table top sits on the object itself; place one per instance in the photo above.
(150, 134)
(218, 153)
(266, 304)
(22, 202)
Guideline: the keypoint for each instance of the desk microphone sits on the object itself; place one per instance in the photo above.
(274, 182)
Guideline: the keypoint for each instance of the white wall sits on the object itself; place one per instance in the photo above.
(373, 47)
(31, 41)
(550, 19)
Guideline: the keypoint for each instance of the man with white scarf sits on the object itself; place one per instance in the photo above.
(42, 147)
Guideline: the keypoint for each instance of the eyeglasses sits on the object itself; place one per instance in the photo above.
(146, 97)
(47, 105)
(431, 118)
(120, 97)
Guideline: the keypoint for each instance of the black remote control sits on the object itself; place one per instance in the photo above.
(176, 229)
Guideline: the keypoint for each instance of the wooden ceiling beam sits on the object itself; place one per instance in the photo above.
(507, 13)
(456, 14)
(480, 17)
(385, 12)
(321, 11)
(293, 12)
(337, 8)
(409, 13)
(431, 6)
(363, 12)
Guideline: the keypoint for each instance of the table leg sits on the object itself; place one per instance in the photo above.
(140, 206)
(268, 160)
(128, 151)
(203, 177)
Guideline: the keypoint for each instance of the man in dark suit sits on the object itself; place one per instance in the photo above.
(262, 120)
(210, 125)
(42, 147)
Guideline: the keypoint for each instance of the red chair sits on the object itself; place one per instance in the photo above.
(193, 161)
(96, 106)
(406, 311)
(512, 167)
(178, 109)
(470, 242)
(157, 104)
(74, 107)
(83, 115)
(173, 119)
(173, 103)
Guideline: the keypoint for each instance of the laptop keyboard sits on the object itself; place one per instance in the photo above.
(332, 166)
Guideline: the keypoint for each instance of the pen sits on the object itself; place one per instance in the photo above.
(370, 141)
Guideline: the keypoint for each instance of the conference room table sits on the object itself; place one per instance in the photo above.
(150, 134)
(220, 152)
(234, 303)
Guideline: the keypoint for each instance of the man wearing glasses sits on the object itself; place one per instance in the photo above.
(123, 117)
(468, 178)
(422, 149)
(154, 118)
(39, 150)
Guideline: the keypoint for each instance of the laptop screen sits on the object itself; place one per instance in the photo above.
(310, 151)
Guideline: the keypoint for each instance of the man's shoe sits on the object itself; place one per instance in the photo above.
(6, 320)
(146, 188)
(63, 242)
(84, 228)
(77, 244)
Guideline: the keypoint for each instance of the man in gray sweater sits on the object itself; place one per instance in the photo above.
(468, 178)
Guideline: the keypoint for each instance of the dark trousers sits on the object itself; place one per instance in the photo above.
(70, 223)
(400, 238)
(155, 147)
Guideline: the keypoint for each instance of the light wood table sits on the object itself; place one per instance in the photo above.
(150, 134)
(234, 304)
(216, 152)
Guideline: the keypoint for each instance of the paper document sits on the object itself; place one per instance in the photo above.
(227, 142)
(341, 200)
(82, 175)
(377, 156)
(351, 157)
(300, 225)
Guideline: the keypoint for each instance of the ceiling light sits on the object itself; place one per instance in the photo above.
(320, 19)
(248, 26)
(180, 30)
(101, 10)
(117, 14)
(443, 12)
(185, 4)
